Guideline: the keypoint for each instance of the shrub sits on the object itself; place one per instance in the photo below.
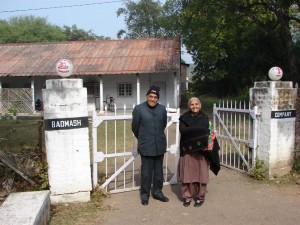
(296, 164)
(259, 172)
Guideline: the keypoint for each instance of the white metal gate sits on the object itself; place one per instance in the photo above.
(236, 127)
(116, 166)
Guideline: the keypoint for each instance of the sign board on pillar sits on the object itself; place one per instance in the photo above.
(283, 114)
(66, 123)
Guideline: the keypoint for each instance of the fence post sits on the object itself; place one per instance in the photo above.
(276, 101)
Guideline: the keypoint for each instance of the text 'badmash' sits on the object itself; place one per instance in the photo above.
(66, 123)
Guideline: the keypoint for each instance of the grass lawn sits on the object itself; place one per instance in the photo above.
(19, 135)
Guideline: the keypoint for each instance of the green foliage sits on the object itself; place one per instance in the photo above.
(259, 172)
(190, 93)
(143, 19)
(75, 34)
(236, 42)
(171, 18)
(97, 194)
(43, 175)
(13, 111)
(28, 29)
(296, 164)
(207, 104)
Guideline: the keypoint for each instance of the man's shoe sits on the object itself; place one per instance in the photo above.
(161, 198)
(198, 203)
(144, 202)
(186, 203)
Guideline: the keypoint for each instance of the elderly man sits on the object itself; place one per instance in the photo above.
(149, 120)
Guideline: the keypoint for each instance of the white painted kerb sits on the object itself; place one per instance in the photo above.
(26, 208)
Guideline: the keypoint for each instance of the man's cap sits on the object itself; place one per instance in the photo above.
(154, 90)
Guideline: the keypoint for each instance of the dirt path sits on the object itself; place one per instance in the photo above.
(232, 198)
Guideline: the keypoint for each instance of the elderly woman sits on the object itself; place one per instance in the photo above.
(198, 153)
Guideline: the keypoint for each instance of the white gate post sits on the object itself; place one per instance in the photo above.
(276, 101)
(67, 140)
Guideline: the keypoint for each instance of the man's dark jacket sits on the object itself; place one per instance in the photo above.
(148, 125)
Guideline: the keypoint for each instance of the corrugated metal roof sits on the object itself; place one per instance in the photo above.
(149, 55)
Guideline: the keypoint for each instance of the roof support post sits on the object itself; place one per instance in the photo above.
(138, 89)
(101, 93)
(175, 91)
(33, 97)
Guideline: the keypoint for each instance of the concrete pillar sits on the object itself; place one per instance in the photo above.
(276, 101)
(67, 140)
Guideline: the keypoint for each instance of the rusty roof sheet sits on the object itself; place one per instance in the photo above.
(130, 56)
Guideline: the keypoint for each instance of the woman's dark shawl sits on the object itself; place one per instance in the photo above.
(194, 138)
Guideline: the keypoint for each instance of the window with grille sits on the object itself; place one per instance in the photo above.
(125, 89)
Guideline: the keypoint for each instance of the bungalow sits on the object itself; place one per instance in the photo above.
(122, 69)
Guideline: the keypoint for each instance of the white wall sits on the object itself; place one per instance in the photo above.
(146, 80)
(110, 83)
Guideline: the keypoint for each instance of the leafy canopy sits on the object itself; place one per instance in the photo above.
(143, 19)
(236, 42)
(28, 29)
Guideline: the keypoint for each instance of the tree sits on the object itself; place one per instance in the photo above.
(27, 29)
(283, 14)
(235, 42)
(75, 34)
(170, 20)
(143, 19)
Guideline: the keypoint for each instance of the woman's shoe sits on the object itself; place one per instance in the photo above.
(186, 203)
(198, 203)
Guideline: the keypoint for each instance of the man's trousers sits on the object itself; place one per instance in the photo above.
(151, 173)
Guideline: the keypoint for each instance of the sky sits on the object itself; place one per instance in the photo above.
(97, 15)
